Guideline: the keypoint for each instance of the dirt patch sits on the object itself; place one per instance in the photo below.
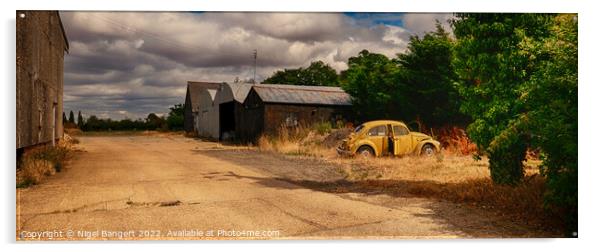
(293, 167)
(150, 133)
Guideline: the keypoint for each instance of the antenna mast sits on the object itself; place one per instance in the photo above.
(255, 64)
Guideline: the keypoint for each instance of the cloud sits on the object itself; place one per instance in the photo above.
(419, 23)
(139, 62)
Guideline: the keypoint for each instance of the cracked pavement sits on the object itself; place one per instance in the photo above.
(163, 184)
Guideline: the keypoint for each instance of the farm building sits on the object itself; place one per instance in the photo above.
(244, 111)
(270, 106)
(41, 44)
(192, 103)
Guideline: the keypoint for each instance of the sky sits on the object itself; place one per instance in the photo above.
(129, 64)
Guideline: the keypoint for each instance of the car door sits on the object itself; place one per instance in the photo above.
(403, 140)
(377, 135)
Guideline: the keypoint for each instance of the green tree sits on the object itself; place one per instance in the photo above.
(550, 98)
(372, 82)
(155, 122)
(80, 120)
(92, 124)
(427, 80)
(175, 118)
(64, 118)
(493, 72)
(519, 80)
(71, 117)
(317, 74)
(286, 76)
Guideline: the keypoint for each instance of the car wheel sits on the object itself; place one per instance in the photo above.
(365, 151)
(428, 150)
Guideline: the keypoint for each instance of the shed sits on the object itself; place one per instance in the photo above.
(270, 106)
(192, 102)
(41, 44)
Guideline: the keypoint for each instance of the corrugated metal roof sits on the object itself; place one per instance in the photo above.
(295, 94)
(195, 88)
(239, 90)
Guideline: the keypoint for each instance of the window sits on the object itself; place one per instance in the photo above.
(377, 131)
(400, 130)
(291, 120)
(358, 128)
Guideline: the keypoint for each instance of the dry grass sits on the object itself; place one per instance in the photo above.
(520, 204)
(443, 168)
(38, 163)
(458, 179)
(301, 141)
(33, 170)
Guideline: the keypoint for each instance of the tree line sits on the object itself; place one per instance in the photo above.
(174, 121)
(511, 79)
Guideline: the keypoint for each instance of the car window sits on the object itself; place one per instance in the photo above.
(358, 128)
(377, 131)
(399, 130)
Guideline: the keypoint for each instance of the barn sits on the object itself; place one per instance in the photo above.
(41, 44)
(270, 106)
(193, 101)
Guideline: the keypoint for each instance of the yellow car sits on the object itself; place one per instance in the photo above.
(387, 138)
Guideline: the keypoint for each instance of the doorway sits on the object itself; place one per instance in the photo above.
(227, 124)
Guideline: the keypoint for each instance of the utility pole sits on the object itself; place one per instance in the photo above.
(255, 64)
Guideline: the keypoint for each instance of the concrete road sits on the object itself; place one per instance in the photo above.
(150, 187)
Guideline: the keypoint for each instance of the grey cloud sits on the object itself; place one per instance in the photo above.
(305, 27)
(133, 63)
(419, 23)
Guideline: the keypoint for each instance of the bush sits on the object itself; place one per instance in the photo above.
(41, 162)
(506, 155)
(175, 118)
(32, 170)
(455, 140)
(54, 155)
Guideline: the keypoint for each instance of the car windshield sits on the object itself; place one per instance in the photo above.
(358, 128)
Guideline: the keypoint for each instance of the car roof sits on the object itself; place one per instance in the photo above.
(380, 122)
